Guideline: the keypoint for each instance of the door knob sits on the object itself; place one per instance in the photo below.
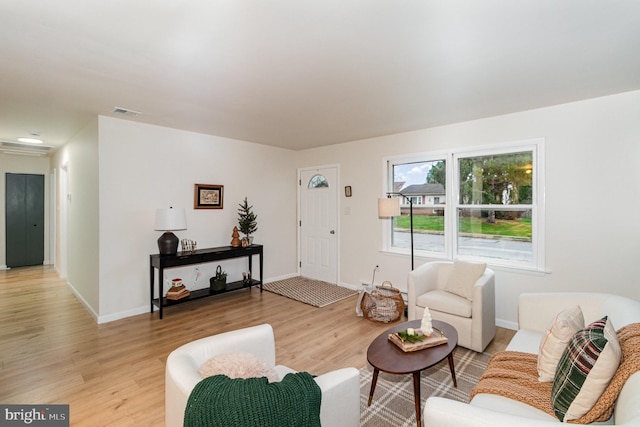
(332, 232)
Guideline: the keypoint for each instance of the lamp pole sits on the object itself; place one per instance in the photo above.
(410, 219)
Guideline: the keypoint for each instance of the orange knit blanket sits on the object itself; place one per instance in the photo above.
(514, 375)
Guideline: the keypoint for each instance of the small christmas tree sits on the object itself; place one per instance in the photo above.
(246, 218)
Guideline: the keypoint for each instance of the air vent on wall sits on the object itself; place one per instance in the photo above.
(126, 112)
(8, 147)
(8, 144)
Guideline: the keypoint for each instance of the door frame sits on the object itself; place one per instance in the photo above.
(53, 198)
(63, 201)
(337, 216)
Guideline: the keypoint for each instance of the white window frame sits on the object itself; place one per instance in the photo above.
(387, 232)
(452, 202)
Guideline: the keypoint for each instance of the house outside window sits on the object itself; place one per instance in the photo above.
(417, 200)
(483, 205)
(419, 179)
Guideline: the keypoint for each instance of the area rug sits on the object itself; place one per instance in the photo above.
(309, 291)
(393, 402)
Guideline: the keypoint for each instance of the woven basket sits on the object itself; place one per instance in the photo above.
(384, 304)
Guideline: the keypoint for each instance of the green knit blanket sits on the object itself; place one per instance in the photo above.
(225, 402)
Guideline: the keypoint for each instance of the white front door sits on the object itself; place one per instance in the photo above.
(318, 224)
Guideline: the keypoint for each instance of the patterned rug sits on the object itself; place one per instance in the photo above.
(309, 291)
(393, 403)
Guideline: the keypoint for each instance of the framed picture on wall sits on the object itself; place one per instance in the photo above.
(208, 196)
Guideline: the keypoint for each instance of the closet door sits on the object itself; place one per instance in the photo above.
(24, 219)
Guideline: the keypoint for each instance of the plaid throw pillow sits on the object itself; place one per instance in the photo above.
(585, 369)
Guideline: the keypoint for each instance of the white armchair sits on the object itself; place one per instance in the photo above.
(340, 388)
(475, 319)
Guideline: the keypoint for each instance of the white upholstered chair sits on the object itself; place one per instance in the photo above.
(474, 317)
(340, 388)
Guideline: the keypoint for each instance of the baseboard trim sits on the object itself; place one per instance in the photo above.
(145, 309)
(110, 317)
(124, 314)
(84, 302)
(283, 277)
(507, 324)
(350, 286)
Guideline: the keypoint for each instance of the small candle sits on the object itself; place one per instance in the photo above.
(410, 331)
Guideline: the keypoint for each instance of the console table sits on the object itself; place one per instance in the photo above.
(200, 256)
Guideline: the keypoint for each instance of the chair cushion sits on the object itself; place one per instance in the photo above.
(237, 365)
(463, 276)
(445, 302)
(556, 339)
(585, 369)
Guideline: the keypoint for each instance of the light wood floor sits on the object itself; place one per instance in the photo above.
(52, 350)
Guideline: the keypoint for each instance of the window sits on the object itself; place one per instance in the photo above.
(417, 200)
(489, 211)
(318, 181)
(420, 181)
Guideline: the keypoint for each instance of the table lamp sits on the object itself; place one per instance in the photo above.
(167, 220)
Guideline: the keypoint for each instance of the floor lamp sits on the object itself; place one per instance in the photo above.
(388, 207)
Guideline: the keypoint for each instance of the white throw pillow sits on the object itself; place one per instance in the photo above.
(555, 340)
(237, 365)
(463, 276)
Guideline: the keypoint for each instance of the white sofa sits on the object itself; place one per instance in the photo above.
(474, 320)
(340, 406)
(535, 313)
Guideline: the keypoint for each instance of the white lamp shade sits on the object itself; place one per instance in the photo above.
(388, 207)
(168, 219)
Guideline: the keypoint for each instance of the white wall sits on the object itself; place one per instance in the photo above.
(144, 167)
(592, 243)
(80, 155)
(27, 165)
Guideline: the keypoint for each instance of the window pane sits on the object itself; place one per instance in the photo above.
(501, 179)
(318, 181)
(424, 184)
(428, 229)
(420, 179)
(501, 234)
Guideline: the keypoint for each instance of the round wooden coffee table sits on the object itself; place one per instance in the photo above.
(385, 356)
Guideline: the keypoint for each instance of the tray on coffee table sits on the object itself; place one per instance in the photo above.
(435, 339)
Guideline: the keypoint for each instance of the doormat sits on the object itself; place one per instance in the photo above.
(393, 402)
(309, 291)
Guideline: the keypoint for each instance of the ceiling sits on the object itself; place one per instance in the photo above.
(305, 73)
